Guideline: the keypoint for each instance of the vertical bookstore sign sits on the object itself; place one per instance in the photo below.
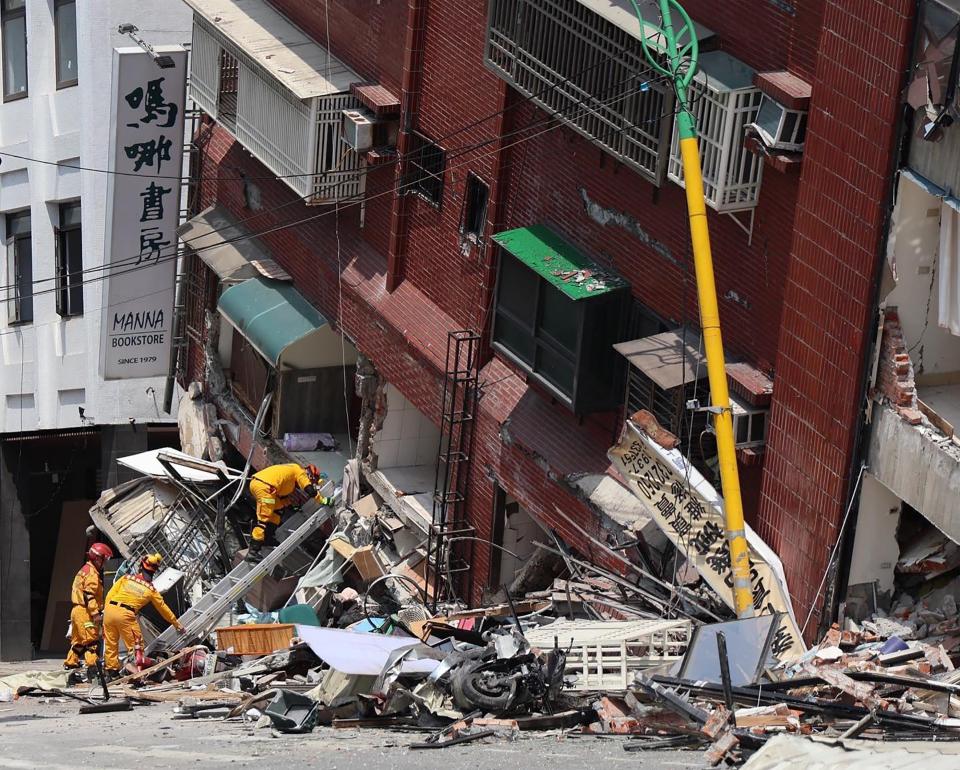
(143, 211)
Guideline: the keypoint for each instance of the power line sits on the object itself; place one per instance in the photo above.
(359, 198)
(135, 260)
(296, 223)
(244, 178)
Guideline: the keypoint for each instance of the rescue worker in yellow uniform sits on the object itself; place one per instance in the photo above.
(273, 491)
(129, 595)
(87, 612)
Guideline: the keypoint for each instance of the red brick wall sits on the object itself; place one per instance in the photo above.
(895, 375)
(827, 301)
(781, 34)
(366, 35)
(795, 301)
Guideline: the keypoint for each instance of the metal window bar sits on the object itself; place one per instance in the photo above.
(205, 67)
(227, 91)
(449, 522)
(571, 61)
(341, 170)
(670, 409)
(731, 173)
(300, 140)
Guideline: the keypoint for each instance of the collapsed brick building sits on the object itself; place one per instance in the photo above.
(540, 120)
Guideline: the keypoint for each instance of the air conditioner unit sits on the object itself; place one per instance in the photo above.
(749, 424)
(780, 128)
(358, 129)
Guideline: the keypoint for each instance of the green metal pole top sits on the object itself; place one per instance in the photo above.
(681, 57)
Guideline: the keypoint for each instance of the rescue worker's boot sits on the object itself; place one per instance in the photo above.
(111, 673)
(92, 675)
(253, 552)
(271, 536)
(75, 677)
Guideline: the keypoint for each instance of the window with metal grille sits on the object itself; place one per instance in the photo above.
(19, 268)
(724, 101)
(298, 139)
(427, 163)
(69, 261)
(589, 72)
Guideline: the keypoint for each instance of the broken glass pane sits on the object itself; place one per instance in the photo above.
(749, 650)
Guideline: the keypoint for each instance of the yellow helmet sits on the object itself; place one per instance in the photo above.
(151, 563)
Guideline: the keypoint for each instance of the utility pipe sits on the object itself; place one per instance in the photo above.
(681, 67)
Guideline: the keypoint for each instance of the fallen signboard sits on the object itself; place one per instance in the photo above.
(690, 512)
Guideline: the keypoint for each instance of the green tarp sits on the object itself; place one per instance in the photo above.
(271, 314)
(559, 262)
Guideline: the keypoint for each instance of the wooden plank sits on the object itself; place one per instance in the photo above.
(157, 667)
(938, 422)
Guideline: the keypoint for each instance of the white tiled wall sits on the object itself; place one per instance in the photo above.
(407, 437)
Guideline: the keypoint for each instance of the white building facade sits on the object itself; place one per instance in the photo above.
(61, 425)
(56, 109)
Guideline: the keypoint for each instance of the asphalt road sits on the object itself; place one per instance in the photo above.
(43, 735)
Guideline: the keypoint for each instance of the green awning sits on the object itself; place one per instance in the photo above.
(559, 262)
(272, 315)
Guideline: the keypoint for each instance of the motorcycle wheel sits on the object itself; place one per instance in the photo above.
(474, 688)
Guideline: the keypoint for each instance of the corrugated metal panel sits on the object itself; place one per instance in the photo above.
(299, 139)
(305, 69)
(572, 61)
(275, 126)
(591, 631)
(130, 511)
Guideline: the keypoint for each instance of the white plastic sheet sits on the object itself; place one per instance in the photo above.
(358, 654)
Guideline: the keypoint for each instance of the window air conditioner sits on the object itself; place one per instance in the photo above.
(749, 424)
(358, 129)
(779, 127)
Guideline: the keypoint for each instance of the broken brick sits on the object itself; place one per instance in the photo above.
(912, 416)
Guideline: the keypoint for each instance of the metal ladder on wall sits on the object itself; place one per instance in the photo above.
(447, 565)
(200, 619)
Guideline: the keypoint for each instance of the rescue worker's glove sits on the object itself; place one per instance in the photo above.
(321, 500)
(180, 627)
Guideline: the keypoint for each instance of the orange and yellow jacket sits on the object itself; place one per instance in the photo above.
(132, 592)
(87, 591)
(283, 479)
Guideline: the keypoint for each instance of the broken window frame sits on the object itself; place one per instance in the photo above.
(939, 73)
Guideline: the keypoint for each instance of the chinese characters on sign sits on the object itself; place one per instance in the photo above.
(695, 525)
(143, 213)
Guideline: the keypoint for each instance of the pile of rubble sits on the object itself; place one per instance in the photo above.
(339, 625)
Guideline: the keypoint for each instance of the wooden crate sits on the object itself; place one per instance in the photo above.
(255, 639)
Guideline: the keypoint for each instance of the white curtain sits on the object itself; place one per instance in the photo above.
(949, 265)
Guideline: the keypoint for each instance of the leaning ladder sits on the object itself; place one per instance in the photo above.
(200, 619)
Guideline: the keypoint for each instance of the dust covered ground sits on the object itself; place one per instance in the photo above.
(39, 732)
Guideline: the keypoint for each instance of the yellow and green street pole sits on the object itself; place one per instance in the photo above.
(678, 62)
